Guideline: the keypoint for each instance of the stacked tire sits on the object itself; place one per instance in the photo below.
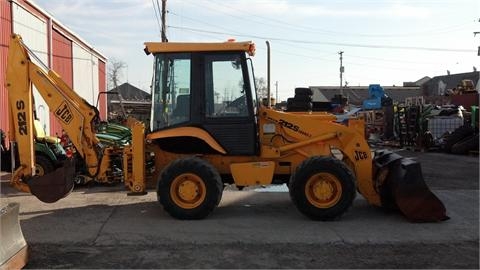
(301, 102)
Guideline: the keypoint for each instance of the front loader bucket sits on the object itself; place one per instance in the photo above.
(400, 184)
(13, 250)
(53, 186)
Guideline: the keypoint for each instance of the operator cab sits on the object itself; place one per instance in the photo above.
(207, 86)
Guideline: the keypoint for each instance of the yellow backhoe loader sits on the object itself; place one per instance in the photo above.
(208, 129)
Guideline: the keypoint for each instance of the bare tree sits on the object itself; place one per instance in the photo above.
(114, 72)
(261, 85)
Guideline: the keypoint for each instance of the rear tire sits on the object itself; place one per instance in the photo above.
(43, 165)
(189, 188)
(322, 188)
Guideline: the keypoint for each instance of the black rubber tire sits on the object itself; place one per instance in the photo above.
(303, 98)
(303, 91)
(464, 146)
(456, 136)
(315, 165)
(299, 106)
(208, 175)
(43, 165)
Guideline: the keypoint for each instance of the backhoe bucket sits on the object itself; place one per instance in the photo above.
(53, 186)
(13, 250)
(400, 184)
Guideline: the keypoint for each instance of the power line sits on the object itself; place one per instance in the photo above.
(200, 21)
(235, 32)
(331, 43)
(156, 16)
(314, 58)
(308, 57)
(392, 60)
(330, 32)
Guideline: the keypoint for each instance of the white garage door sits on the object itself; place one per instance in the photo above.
(85, 74)
(34, 33)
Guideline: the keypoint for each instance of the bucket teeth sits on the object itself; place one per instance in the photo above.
(54, 186)
(400, 184)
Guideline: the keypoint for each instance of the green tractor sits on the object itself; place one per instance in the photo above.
(49, 153)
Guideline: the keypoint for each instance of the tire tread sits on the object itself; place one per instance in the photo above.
(319, 164)
(210, 177)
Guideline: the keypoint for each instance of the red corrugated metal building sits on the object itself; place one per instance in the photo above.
(102, 84)
(63, 65)
(79, 65)
(5, 32)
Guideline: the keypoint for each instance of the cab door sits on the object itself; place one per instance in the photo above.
(228, 104)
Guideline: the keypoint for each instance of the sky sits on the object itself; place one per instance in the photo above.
(385, 42)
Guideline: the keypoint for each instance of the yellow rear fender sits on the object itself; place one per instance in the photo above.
(188, 132)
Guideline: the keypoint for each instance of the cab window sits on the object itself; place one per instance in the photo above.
(225, 89)
(171, 90)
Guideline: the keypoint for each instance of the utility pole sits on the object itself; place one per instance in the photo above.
(164, 21)
(342, 69)
(276, 92)
(474, 34)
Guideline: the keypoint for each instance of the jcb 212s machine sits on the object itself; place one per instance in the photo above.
(207, 130)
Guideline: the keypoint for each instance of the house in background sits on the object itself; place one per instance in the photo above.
(439, 89)
(434, 90)
(130, 100)
(357, 94)
(439, 85)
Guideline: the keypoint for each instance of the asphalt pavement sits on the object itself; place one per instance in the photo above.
(250, 224)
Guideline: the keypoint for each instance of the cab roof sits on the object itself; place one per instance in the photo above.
(170, 47)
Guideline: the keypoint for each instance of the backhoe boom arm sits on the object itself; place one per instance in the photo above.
(75, 115)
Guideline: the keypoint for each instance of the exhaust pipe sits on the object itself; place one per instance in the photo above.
(400, 184)
(14, 249)
(269, 102)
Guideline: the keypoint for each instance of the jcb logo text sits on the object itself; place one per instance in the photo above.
(63, 112)
(360, 155)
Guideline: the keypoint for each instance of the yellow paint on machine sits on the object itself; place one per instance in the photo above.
(253, 173)
(164, 47)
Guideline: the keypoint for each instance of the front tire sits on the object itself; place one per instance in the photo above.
(189, 188)
(322, 188)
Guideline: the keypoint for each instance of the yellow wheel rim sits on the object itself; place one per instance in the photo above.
(39, 171)
(323, 190)
(188, 191)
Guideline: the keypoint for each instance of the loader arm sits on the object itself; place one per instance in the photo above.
(383, 178)
(75, 115)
